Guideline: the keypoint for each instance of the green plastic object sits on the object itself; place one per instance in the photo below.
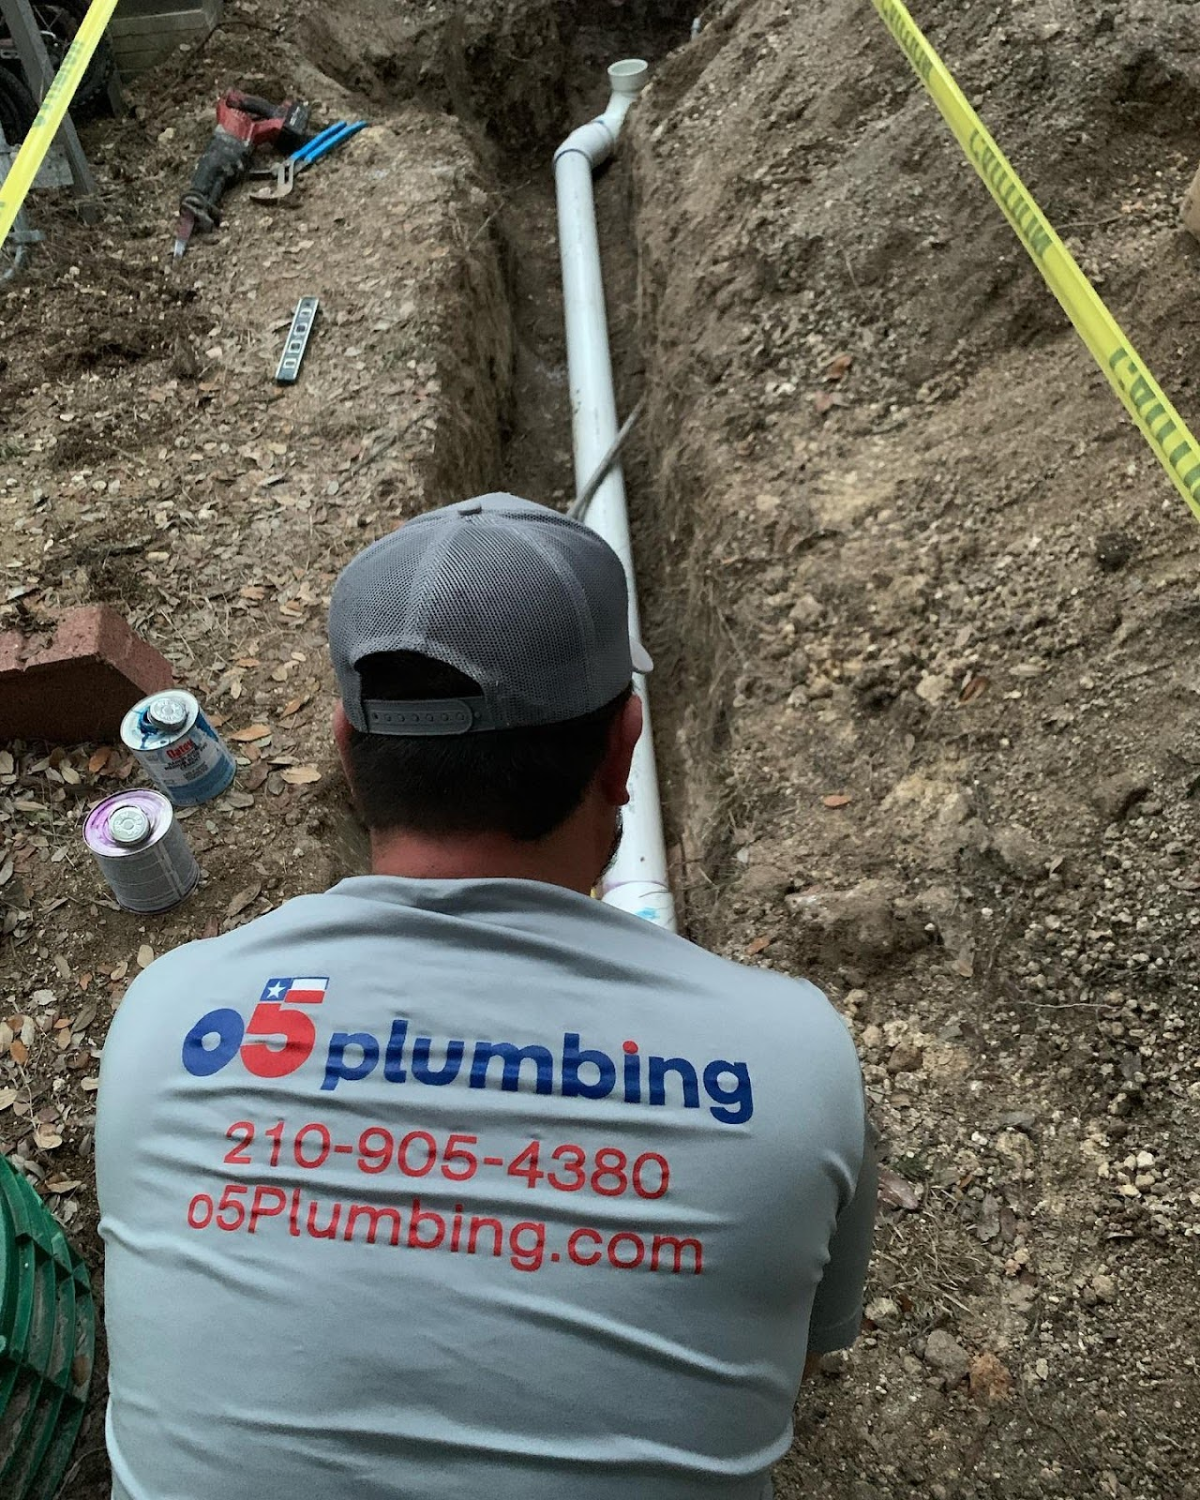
(47, 1339)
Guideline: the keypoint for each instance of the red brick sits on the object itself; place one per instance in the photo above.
(78, 683)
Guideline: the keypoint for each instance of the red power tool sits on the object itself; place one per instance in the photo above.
(243, 124)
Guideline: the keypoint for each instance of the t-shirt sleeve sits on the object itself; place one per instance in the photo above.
(838, 1306)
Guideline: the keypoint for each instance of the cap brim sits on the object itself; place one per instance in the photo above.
(640, 656)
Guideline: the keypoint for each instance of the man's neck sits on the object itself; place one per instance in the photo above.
(553, 861)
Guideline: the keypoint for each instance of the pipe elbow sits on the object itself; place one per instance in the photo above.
(595, 140)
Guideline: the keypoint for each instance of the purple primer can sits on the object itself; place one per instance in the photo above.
(141, 850)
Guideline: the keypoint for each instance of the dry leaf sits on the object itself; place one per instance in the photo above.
(6, 1098)
(89, 1084)
(18, 1051)
(837, 799)
(989, 1378)
(63, 1184)
(973, 687)
(100, 758)
(839, 367)
(251, 732)
(301, 775)
(243, 899)
(46, 1137)
(295, 705)
(896, 1192)
(85, 1017)
(145, 956)
(121, 970)
(252, 591)
(757, 945)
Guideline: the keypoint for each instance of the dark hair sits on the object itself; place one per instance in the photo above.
(521, 782)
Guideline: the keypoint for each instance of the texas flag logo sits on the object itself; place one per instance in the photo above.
(306, 989)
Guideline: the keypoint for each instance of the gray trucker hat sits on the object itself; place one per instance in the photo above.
(528, 604)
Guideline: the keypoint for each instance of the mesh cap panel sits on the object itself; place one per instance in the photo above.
(528, 604)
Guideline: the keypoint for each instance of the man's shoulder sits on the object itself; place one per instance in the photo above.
(788, 1006)
(206, 955)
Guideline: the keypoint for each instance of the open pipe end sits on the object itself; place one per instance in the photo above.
(629, 76)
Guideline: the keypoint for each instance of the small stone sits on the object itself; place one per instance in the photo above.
(1114, 796)
(1019, 852)
(1114, 549)
(934, 688)
(906, 1057)
(766, 881)
(884, 1313)
(807, 610)
(1104, 1287)
(947, 1357)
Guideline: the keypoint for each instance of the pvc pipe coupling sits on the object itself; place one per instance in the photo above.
(628, 77)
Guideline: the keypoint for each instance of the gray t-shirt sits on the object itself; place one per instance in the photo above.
(441, 1188)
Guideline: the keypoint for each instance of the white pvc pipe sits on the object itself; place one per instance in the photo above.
(637, 879)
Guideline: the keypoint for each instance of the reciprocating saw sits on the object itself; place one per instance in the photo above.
(243, 124)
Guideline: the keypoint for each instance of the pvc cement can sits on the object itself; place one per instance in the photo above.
(183, 754)
(141, 850)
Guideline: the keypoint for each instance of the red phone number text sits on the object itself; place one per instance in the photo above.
(607, 1171)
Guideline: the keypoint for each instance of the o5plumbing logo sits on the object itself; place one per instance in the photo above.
(281, 1036)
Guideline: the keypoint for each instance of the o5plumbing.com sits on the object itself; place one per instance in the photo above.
(244, 1207)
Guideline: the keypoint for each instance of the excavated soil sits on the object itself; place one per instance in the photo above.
(921, 601)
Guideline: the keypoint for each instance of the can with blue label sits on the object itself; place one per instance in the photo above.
(178, 747)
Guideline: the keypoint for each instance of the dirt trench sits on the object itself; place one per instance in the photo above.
(921, 604)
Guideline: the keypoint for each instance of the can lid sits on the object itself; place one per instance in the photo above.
(128, 825)
(167, 711)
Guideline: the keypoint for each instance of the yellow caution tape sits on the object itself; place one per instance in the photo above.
(1161, 425)
(16, 185)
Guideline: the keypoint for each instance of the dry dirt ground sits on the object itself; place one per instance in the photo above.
(921, 599)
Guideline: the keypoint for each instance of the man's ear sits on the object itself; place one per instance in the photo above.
(623, 735)
(341, 737)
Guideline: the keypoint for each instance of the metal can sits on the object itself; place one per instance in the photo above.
(141, 850)
(178, 747)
